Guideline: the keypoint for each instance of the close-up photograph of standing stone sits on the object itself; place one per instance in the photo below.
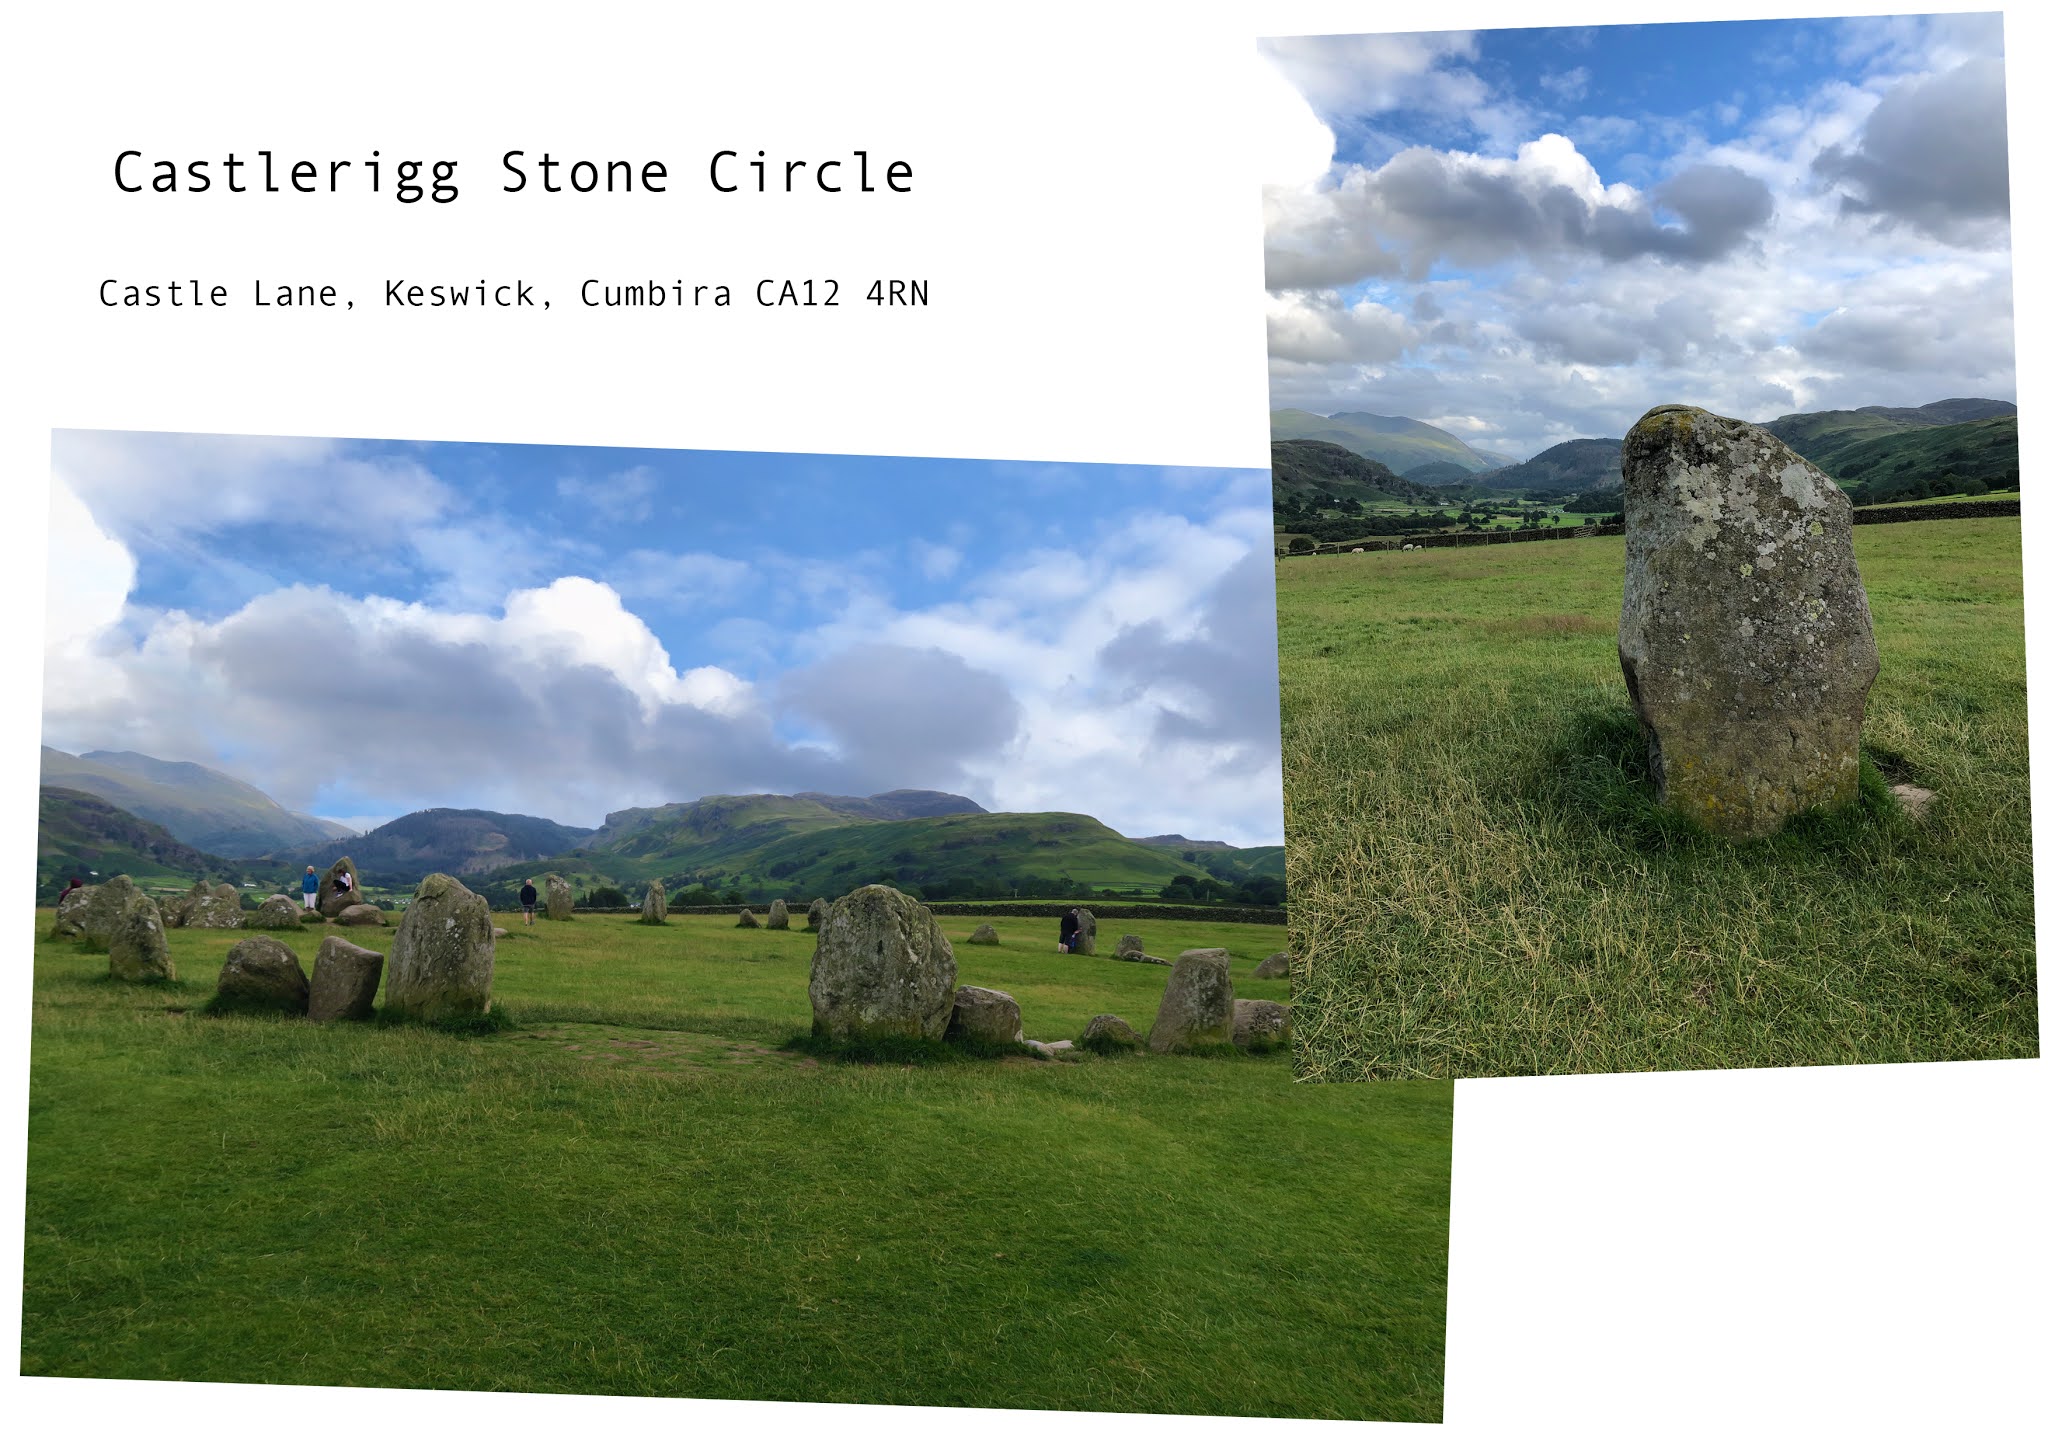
(1647, 541)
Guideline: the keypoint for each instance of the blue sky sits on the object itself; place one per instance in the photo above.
(365, 628)
(1532, 235)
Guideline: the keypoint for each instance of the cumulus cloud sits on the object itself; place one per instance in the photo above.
(902, 713)
(1318, 327)
(1932, 156)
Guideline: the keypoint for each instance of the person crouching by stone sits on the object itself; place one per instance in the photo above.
(1070, 926)
(309, 885)
(528, 898)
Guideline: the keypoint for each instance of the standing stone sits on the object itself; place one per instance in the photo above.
(107, 908)
(1745, 635)
(778, 915)
(138, 950)
(987, 1017)
(276, 912)
(1199, 1005)
(1272, 967)
(332, 899)
(817, 914)
(71, 914)
(1261, 1025)
(984, 934)
(1109, 1034)
(217, 909)
(654, 906)
(442, 957)
(561, 899)
(360, 915)
(882, 968)
(746, 921)
(1084, 938)
(345, 980)
(261, 974)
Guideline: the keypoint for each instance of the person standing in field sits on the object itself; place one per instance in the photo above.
(309, 886)
(1070, 926)
(528, 898)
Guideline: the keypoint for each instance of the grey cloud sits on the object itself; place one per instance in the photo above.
(1224, 677)
(1933, 155)
(905, 716)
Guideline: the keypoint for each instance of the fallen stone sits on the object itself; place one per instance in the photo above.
(984, 935)
(499, 932)
(1197, 1007)
(1272, 967)
(986, 1016)
(1128, 947)
(654, 905)
(1261, 1025)
(1049, 1049)
(1915, 801)
(261, 974)
(138, 949)
(882, 968)
(561, 900)
(332, 899)
(778, 915)
(1745, 636)
(442, 959)
(359, 915)
(345, 980)
(1110, 1034)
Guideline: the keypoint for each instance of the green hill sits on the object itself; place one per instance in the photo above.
(1816, 436)
(1927, 461)
(1304, 468)
(445, 841)
(1583, 465)
(83, 836)
(1401, 443)
(200, 807)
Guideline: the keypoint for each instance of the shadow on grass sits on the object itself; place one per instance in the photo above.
(901, 1050)
(1599, 773)
(489, 1024)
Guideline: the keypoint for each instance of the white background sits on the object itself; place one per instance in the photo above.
(1848, 1254)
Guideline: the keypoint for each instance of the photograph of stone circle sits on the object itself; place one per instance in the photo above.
(1646, 490)
(586, 920)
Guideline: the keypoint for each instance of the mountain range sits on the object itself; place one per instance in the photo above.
(751, 846)
(1416, 450)
(201, 807)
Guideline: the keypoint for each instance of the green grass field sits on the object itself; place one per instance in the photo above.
(633, 1189)
(1482, 884)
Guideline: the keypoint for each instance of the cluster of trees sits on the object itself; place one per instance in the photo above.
(1254, 890)
(1939, 485)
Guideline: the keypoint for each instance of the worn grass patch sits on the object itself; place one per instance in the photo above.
(633, 1188)
(1481, 881)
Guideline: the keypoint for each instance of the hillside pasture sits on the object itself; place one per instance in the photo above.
(637, 1187)
(1481, 882)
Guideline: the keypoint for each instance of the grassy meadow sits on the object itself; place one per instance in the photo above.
(1481, 882)
(635, 1188)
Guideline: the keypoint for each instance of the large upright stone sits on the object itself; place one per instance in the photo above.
(333, 899)
(1084, 938)
(442, 957)
(1745, 634)
(1198, 1008)
(71, 913)
(561, 899)
(137, 949)
(345, 977)
(262, 974)
(106, 909)
(654, 906)
(778, 915)
(882, 967)
(816, 915)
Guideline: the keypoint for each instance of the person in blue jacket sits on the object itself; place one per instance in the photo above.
(311, 885)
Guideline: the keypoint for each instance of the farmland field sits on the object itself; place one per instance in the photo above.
(634, 1187)
(1482, 883)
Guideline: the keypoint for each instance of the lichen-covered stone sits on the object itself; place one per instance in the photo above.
(1109, 1034)
(106, 909)
(1084, 938)
(262, 974)
(988, 1017)
(444, 953)
(1273, 967)
(1198, 1006)
(276, 912)
(653, 905)
(561, 900)
(70, 924)
(1745, 637)
(1132, 948)
(1261, 1025)
(882, 967)
(984, 934)
(360, 915)
(219, 908)
(816, 915)
(137, 949)
(345, 978)
(333, 899)
(778, 915)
